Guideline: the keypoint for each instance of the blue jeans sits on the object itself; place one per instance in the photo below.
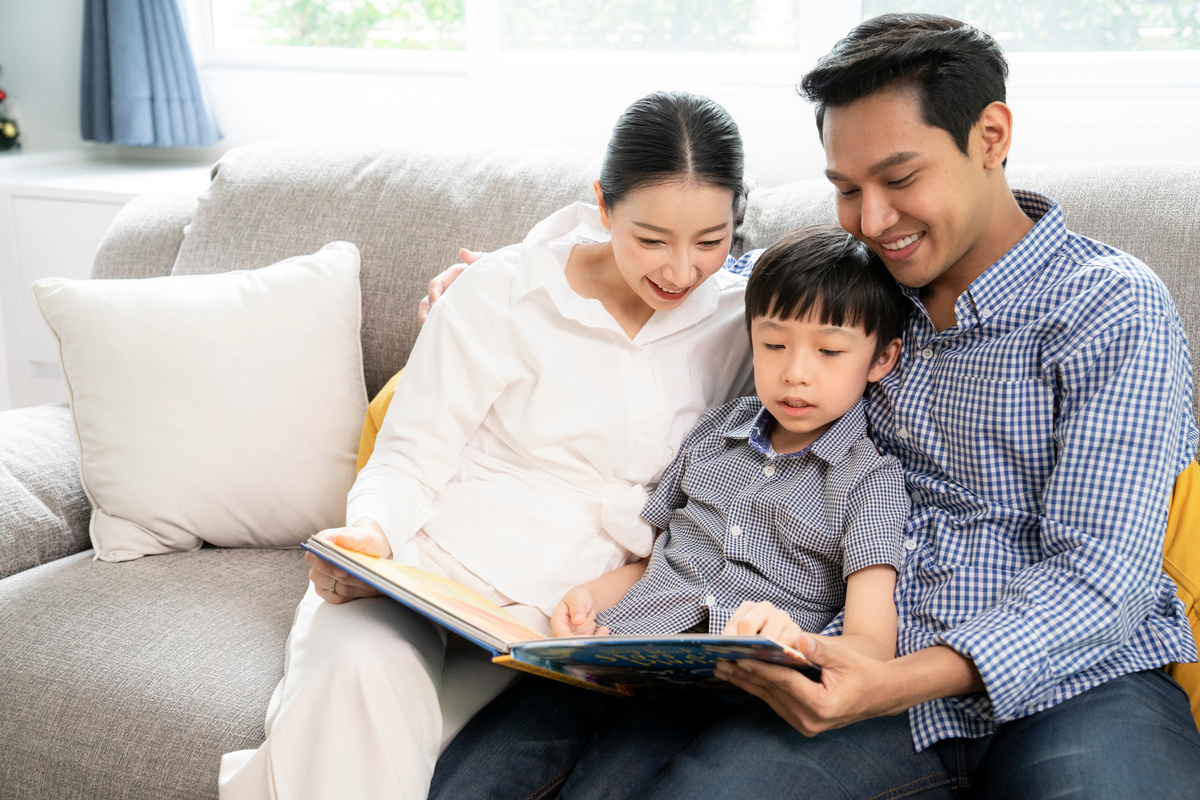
(1133, 737)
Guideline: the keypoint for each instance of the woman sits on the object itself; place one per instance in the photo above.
(546, 390)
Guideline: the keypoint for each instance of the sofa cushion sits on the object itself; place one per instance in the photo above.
(220, 408)
(132, 679)
(43, 510)
(269, 201)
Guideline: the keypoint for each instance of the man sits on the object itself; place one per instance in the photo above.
(1041, 411)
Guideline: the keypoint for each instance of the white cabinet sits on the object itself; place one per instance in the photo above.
(53, 214)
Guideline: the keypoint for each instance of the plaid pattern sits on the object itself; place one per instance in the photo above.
(745, 523)
(744, 265)
(1040, 438)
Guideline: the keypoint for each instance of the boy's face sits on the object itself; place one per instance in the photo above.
(808, 374)
(906, 189)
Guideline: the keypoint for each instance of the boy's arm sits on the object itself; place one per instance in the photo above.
(870, 619)
(575, 614)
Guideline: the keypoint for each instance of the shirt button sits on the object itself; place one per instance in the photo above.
(902, 433)
(910, 544)
(927, 353)
(710, 600)
(735, 531)
(769, 470)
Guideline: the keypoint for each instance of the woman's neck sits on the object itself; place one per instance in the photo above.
(592, 273)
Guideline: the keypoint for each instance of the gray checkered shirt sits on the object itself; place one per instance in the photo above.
(744, 523)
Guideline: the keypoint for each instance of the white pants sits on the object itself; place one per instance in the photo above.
(369, 697)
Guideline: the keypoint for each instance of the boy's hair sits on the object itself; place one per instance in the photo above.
(824, 271)
(955, 69)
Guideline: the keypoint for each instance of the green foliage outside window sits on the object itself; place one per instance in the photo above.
(378, 24)
(1068, 25)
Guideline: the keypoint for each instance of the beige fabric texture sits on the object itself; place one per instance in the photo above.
(220, 408)
(408, 208)
(144, 239)
(1150, 210)
(43, 511)
(122, 681)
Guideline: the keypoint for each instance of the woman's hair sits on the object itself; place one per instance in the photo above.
(823, 271)
(955, 69)
(670, 136)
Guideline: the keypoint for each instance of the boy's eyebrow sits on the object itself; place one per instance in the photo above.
(774, 324)
(657, 229)
(894, 160)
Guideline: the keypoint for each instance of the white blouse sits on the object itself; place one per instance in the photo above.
(527, 425)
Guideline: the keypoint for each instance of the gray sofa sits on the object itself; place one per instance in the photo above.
(129, 680)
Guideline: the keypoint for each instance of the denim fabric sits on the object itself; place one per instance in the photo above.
(1130, 737)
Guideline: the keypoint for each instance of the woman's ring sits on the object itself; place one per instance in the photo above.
(333, 586)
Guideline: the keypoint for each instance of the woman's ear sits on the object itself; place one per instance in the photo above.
(886, 361)
(605, 220)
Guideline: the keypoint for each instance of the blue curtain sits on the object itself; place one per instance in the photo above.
(140, 85)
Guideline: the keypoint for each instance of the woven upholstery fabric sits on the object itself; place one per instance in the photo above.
(1149, 210)
(407, 208)
(44, 512)
(132, 679)
(144, 239)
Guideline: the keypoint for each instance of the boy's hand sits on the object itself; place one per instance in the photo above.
(575, 615)
(751, 618)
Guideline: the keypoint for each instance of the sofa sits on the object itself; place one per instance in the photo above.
(129, 680)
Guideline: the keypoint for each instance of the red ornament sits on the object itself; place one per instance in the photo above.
(2, 95)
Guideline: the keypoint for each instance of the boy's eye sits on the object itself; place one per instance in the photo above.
(770, 346)
(828, 352)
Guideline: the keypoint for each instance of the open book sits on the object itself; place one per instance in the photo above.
(620, 665)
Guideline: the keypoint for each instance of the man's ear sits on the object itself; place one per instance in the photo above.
(994, 130)
(886, 361)
(605, 220)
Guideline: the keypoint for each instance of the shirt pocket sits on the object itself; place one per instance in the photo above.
(998, 436)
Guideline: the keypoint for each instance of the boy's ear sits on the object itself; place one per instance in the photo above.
(887, 359)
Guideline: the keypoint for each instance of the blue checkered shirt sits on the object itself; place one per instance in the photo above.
(1040, 437)
(744, 523)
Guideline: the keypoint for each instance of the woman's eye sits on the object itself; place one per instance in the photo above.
(712, 244)
(649, 242)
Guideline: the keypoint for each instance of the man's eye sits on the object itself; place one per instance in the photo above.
(903, 180)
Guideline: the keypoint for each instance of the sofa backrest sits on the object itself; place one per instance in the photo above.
(1150, 210)
(409, 209)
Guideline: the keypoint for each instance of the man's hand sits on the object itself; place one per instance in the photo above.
(765, 618)
(439, 285)
(575, 615)
(854, 686)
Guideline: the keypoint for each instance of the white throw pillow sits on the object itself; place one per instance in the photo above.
(214, 408)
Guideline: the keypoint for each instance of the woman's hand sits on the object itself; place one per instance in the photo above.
(334, 584)
(575, 615)
(751, 618)
(439, 285)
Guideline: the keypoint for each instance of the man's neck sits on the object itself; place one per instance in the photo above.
(1010, 224)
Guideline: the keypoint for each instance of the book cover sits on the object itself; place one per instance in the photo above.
(622, 665)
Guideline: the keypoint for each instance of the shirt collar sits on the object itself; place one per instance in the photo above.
(539, 268)
(831, 447)
(988, 293)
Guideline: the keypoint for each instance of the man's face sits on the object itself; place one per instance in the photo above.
(906, 189)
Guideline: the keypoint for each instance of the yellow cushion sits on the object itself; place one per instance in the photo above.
(1181, 560)
(374, 421)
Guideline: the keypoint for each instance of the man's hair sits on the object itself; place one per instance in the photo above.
(823, 271)
(955, 69)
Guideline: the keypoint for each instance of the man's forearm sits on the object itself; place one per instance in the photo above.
(925, 675)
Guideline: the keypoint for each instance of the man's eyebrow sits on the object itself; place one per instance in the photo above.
(894, 160)
(657, 229)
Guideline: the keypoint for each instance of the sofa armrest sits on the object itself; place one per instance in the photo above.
(44, 513)
(144, 239)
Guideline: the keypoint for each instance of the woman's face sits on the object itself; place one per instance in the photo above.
(669, 238)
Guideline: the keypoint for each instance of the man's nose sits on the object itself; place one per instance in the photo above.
(877, 213)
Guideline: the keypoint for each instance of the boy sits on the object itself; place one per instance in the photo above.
(779, 500)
